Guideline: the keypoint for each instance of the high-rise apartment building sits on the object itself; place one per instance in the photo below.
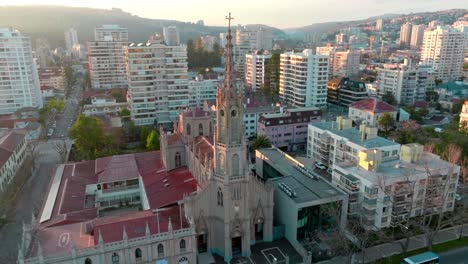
(303, 78)
(202, 90)
(379, 24)
(71, 39)
(405, 35)
(106, 57)
(255, 69)
(111, 33)
(157, 82)
(248, 39)
(417, 35)
(43, 53)
(342, 63)
(443, 49)
(171, 36)
(408, 83)
(19, 85)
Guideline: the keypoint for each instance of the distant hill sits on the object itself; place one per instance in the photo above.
(447, 16)
(52, 21)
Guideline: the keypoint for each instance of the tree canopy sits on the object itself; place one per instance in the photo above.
(260, 142)
(386, 121)
(388, 97)
(90, 139)
(199, 58)
(152, 142)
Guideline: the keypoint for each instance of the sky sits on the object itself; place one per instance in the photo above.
(277, 13)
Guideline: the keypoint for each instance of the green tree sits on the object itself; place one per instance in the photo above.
(389, 98)
(386, 121)
(69, 79)
(152, 142)
(90, 139)
(437, 82)
(271, 84)
(260, 142)
(125, 113)
(119, 96)
(144, 131)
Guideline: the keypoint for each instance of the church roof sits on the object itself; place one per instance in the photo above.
(203, 148)
(196, 113)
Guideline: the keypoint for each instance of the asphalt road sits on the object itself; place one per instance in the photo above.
(70, 112)
(455, 256)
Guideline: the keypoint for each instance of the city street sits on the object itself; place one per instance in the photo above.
(455, 256)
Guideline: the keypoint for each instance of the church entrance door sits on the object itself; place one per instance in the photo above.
(236, 246)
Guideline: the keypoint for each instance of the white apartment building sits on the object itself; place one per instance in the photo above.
(12, 153)
(379, 24)
(171, 36)
(332, 142)
(303, 79)
(255, 69)
(443, 49)
(104, 105)
(19, 83)
(342, 63)
(106, 56)
(408, 83)
(157, 82)
(417, 36)
(405, 35)
(201, 90)
(71, 39)
(388, 192)
(111, 33)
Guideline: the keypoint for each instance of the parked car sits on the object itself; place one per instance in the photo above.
(329, 170)
(320, 166)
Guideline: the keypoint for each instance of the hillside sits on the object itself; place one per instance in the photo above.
(51, 22)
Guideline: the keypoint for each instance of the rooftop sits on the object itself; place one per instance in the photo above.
(8, 143)
(354, 136)
(373, 105)
(306, 188)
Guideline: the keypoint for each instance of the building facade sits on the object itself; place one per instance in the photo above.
(19, 86)
(342, 63)
(110, 33)
(370, 110)
(417, 36)
(288, 130)
(405, 35)
(255, 69)
(71, 39)
(408, 83)
(171, 36)
(158, 82)
(303, 79)
(52, 78)
(443, 49)
(201, 90)
(13, 152)
(344, 91)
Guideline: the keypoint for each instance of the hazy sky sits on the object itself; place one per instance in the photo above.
(279, 13)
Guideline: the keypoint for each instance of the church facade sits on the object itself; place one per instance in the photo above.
(231, 208)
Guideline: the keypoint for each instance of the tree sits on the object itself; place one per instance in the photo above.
(152, 142)
(386, 121)
(87, 81)
(69, 79)
(125, 113)
(260, 142)
(388, 97)
(272, 75)
(90, 139)
(119, 96)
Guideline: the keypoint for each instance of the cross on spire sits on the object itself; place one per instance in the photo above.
(229, 18)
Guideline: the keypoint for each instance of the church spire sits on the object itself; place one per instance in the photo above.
(229, 61)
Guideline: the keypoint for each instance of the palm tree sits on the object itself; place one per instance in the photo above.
(260, 142)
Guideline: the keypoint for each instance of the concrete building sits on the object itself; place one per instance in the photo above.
(12, 154)
(464, 116)
(43, 53)
(19, 86)
(344, 91)
(405, 35)
(300, 198)
(171, 36)
(106, 57)
(201, 90)
(331, 142)
(248, 39)
(303, 79)
(443, 49)
(253, 110)
(288, 130)
(110, 33)
(52, 78)
(417, 36)
(379, 24)
(158, 82)
(342, 63)
(255, 69)
(369, 111)
(107, 105)
(71, 39)
(388, 192)
(408, 83)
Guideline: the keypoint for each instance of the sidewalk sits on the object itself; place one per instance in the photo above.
(417, 242)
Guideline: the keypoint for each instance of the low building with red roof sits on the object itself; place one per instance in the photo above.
(370, 110)
(13, 145)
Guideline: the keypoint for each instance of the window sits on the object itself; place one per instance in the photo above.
(138, 254)
(88, 261)
(200, 129)
(235, 165)
(220, 197)
(182, 245)
(188, 129)
(160, 250)
(178, 160)
(384, 220)
(115, 258)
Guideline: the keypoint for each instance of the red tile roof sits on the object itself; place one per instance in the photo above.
(373, 105)
(117, 168)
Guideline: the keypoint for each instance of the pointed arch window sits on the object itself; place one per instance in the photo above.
(235, 165)
(115, 258)
(220, 197)
(160, 250)
(178, 160)
(182, 245)
(200, 129)
(138, 254)
(88, 261)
